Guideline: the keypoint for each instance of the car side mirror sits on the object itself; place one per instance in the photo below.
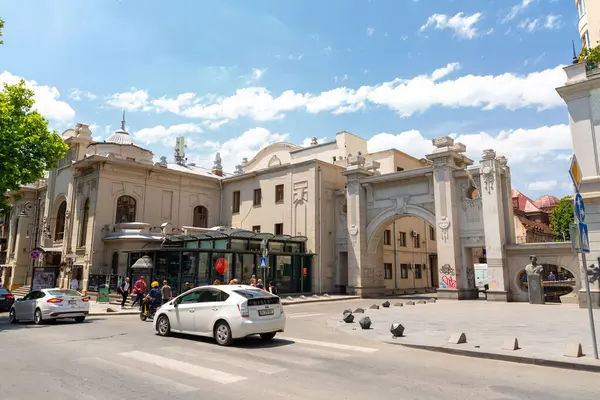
(19, 299)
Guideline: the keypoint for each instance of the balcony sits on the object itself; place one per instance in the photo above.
(127, 231)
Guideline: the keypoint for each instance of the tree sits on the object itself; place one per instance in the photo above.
(560, 219)
(1, 27)
(27, 147)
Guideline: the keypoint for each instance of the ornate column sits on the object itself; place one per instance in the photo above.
(453, 279)
(494, 226)
(365, 276)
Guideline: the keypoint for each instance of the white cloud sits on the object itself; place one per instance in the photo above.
(404, 96)
(544, 186)
(549, 22)
(516, 10)
(463, 26)
(164, 135)
(327, 50)
(133, 100)
(370, 31)
(254, 76)
(246, 145)
(517, 145)
(79, 95)
(296, 57)
(46, 99)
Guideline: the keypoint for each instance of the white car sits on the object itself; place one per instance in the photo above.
(225, 312)
(50, 304)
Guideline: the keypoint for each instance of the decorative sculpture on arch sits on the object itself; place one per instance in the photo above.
(444, 225)
(274, 162)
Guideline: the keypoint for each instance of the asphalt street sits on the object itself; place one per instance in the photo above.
(120, 357)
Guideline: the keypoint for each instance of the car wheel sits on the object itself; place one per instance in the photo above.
(268, 336)
(37, 317)
(79, 319)
(163, 326)
(12, 316)
(223, 333)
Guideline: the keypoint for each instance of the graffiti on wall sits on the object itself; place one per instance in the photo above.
(447, 269)
(448, 282)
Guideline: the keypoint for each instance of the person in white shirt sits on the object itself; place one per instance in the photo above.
(124, 289)
(75, 284)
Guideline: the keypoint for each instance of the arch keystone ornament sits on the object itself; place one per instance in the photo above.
(444, 225)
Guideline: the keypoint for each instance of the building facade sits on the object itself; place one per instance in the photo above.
(589, 22)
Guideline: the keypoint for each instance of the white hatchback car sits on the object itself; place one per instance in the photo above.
(50, 304)
(225, 312)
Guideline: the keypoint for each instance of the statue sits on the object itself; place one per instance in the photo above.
(535, 286)
(533, 268)
(217, 163)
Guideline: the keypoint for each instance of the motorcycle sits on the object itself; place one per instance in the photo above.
(147, 311)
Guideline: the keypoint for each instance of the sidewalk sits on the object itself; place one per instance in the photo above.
(106, 309)
(542, 331)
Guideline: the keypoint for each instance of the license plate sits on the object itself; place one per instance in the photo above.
(72, 302)
(262, 313)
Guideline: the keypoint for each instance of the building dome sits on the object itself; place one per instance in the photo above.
(120, 136)
(546, 202)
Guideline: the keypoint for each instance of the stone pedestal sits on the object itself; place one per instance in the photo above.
(582, 298)
(504, 296)
(535, 289)
(457, 294)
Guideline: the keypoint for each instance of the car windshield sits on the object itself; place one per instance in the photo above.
(253, 293)
(66, 292)
(4, 291)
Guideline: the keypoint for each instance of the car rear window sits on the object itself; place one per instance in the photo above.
(65, 292)
(253, 293)
(4, 291)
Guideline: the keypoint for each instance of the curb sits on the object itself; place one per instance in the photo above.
(97, 314)
(504, 357)
(308, 301)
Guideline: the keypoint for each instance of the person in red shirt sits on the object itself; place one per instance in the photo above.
(139, 288)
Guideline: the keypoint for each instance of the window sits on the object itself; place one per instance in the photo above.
(279, 229)
(334, 159)
(387, 237)
(85, 215)
(432, 233)
(256, 229)
(200, 217)
(236, 202)
(403, 271)
(279, 194)
(130, 159)
(402, 239)
(13, 244)
(190, 298)
(387, 267)
(212, 295)
(257, 197)
(125, 209)
(418, 271)
(581, 7)
(416, 241)
(61, 216)
(399, 169)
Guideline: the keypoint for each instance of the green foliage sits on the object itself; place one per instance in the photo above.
(1, 27)
(561, 217)
(27, 147)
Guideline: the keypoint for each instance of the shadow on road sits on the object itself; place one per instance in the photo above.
(252, 342)
(6, 326)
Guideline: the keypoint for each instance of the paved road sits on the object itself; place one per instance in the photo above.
(121, 358)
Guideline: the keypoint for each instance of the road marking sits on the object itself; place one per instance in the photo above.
(333, 345)
(186, 368)
(303, 315)
(142, 374)
(241, 362)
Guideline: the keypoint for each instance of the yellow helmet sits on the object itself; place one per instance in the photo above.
(154, 284)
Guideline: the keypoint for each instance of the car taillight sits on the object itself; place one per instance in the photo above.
(85, 299)
(243, 309)
(10, 296)
(54, 300)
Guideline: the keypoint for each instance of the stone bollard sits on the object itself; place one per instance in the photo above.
(365, 322)
(511, 344)
(347, 311)
(374, 307)
(302, 297)
(348, 317)
(289, 298)
(431, 300)
(359, 311)
(410, 303)
(458, 338)
(399, 304)
(326, 295)
(573, 350)
(315, 296)
(386, 304)
(111, 310)
(421, 302)
(397, 330)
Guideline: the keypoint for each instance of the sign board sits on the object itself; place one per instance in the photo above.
(575, 172)
(583, 238)
(35, 254)
(263, 262)
(574, 234)
(579, 208)
(221, 265)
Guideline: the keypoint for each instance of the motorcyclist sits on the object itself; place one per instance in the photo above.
(154, 297)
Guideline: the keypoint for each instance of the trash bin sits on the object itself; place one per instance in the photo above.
(103, 294)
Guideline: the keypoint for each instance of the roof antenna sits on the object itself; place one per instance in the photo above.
(123, 120)
(575, 60)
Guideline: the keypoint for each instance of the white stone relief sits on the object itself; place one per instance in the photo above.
(440, 164)
(401, 204)
(274, 161)
(300, 192)
(488, 178)
(444, 225)
(353, 231)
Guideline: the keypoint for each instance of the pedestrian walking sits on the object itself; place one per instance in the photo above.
(187, 286)
(124, 290)
(260, 284)
(75, 284)
(166, 292)
(140, 288)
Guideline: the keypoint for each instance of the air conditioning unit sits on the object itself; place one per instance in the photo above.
(414, 233)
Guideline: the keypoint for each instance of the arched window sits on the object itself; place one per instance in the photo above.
(200, 217)
(114, 266)
(61, 216)
(85, 215)
(125, 209)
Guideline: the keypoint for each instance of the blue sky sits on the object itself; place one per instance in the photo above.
(234, 76)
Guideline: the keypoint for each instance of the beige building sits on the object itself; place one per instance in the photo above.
(589, 22)
(106, 198)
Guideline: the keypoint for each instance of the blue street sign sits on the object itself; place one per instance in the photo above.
(263, 262)
(583, 238)
(579, 208)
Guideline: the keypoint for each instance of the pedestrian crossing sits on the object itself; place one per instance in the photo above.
(184, 366)
(303, 315)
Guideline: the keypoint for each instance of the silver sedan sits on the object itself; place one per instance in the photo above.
(50, 304)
